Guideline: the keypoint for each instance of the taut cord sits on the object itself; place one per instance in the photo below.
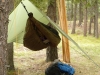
(24, 7)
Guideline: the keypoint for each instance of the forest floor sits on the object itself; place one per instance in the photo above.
(29, 62)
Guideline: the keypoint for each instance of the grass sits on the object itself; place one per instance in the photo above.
(11, 73)
(29, 62)
(90, 45)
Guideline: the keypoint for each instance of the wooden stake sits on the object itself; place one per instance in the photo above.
(63, 24)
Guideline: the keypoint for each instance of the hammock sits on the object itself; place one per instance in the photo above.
(38, 36)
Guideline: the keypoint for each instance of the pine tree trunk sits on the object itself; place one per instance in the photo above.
(74, 22)
(4, 9)
(10, 45)
(90, 25)
(72, 10)
(85, 19)
(4, 13)
(52, 52)
(96, 19)
(10, 57)
(94, 26)
(80, 14)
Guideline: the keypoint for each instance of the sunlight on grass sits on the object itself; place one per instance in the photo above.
(89, 43)
(86, 41)
(22, 53)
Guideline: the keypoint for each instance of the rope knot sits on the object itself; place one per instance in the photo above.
(30, 15)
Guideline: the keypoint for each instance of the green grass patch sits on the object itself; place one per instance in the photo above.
(12, 72)
(89, 44)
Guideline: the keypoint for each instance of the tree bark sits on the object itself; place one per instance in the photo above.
(94, 26)
(5, 8)
(72, 10)
(80, 13)
(90, 25)
(51, 52)
(74, 22)
(10, 45)
(4, 13)
(85, 19)
(96, 19)
(10, 56)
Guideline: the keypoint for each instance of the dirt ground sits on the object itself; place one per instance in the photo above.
(29, 62)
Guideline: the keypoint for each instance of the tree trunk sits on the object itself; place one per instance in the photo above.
(72, 10)
(10, 45)
(74, 22)
(51, 52)
(91, 11)
(85, 19)
(94, 25)
(90, 25)
(10, 57)
(80, 13)
(96, 19)
(4, 12)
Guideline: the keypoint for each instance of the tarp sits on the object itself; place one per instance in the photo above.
(18, 19)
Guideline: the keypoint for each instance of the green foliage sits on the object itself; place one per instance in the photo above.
(76, 1)
(50, 2)
(13, 72)
(16, 2)
(41, 4)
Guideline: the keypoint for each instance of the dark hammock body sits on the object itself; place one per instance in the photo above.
(39, 36)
